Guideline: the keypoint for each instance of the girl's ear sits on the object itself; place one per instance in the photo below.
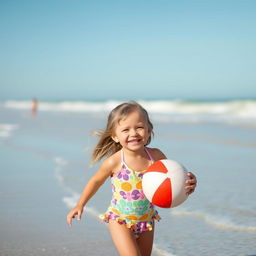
(115, 139)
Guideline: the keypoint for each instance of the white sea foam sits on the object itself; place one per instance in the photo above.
(65, 106)
(92, 211)
(161, 252)
(70, 201)
(60, 161)
(228, 111)
(73, 196)
(7, 129)
(220, 222)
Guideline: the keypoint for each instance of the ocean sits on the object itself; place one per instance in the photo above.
(45, 162)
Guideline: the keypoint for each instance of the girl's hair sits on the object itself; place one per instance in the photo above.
(106, 145)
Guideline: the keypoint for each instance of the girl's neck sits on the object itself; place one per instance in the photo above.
(136, 160)
(135, 154)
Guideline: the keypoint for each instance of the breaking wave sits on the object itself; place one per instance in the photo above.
(233, 110)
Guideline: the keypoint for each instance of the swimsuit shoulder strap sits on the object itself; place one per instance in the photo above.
(149, 155)
(122, 158)
(146, 150)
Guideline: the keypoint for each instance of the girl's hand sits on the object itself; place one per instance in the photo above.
(191, 183)
(75, 211)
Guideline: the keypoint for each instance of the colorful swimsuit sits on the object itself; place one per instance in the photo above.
(129, 205)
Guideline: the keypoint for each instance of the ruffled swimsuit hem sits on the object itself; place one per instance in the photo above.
(137, 226)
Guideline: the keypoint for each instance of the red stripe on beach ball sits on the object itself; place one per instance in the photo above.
(157, 166)
(163, 195)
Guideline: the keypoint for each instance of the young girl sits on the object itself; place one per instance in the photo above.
(130, 215)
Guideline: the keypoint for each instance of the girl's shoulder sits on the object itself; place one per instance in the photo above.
(113, 162)
(156, 154)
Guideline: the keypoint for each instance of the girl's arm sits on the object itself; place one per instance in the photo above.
(90, 189)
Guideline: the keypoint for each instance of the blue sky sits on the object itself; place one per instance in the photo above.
(56, 50)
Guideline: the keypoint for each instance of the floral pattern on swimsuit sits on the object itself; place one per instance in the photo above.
(129, 205)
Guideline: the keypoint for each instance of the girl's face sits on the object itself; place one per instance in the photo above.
(132, 132)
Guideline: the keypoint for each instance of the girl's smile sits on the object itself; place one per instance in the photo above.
(134, 142)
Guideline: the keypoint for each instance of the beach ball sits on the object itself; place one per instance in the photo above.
(163, 183)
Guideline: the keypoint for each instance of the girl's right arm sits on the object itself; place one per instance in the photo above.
(90, 189)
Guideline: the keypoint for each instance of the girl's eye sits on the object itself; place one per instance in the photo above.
(125, 130)
(140, 127)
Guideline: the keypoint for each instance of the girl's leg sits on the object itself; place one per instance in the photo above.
(124, 239)
(145, 242)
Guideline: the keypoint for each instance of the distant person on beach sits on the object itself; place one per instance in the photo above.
(34, 107)
(130, 216)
